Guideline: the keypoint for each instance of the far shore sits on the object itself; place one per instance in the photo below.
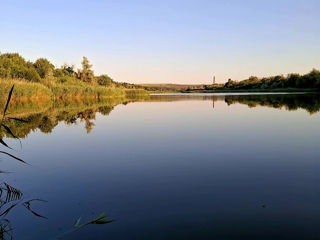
(277, 90)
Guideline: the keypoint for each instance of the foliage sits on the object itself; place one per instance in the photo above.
(86, 74)
(11, 197)
(101, 219)
(309, 80)
(12, 65)
(43, 67)
(42, 80)
(291, 102)
(65, 71)
(135, 92)
(24, 89)
(104, 80)
(167, 87)
(46, 116)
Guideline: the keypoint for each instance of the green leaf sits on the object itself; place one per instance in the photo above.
(103, 221)
(77, 223)
(102, 215)
(8, 100)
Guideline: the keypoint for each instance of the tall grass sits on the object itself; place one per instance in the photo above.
(61, 90)
(136, 92)
(78, 89)
(23, 89)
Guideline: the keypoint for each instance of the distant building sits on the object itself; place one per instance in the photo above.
(214, 80)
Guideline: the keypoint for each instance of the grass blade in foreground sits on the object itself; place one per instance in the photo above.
(99, 220)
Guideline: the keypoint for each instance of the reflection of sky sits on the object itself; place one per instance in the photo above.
(177, 169)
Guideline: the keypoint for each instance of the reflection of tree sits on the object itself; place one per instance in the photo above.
(85, 110)
(86, 116)
(11, 197)
(105, 110)
(66, 111)
(47, 124)
(291, 102)
(310, 102)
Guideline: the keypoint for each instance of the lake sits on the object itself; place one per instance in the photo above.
(197, 166)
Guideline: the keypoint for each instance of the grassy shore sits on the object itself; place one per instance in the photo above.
(25, 90)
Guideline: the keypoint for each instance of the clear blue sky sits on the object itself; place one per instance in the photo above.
(177, 41)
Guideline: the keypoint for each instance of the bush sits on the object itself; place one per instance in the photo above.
(104, 80)
(43, 67)
(12, 65)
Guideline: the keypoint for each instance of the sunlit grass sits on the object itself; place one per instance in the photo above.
(25, 90)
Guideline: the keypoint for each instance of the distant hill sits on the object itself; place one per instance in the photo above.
(163, 87)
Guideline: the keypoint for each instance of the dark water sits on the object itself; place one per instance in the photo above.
(170, 167)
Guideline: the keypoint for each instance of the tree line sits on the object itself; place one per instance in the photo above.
(294, 80)
(14, 66)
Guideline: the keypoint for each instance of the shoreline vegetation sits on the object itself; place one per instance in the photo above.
(259, 90)
(42, 80)
(293, 82)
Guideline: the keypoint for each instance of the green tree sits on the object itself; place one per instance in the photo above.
(229, 84)
(68, 70)
(43, 66)
(104, 80)
(86, 74)
(32, 75)
(12, 65)
(253, 79)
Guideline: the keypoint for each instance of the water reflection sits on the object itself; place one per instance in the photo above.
(291, 102)
(158, 167)
(11, 197)
(308, 102)
(46, 116)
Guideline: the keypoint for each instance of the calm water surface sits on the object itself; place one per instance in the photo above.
(172, 167)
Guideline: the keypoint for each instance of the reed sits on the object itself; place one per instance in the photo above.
(50, 89)
(24, 90)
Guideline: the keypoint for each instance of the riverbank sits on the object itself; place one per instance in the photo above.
(225, 90)
(25, 90)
